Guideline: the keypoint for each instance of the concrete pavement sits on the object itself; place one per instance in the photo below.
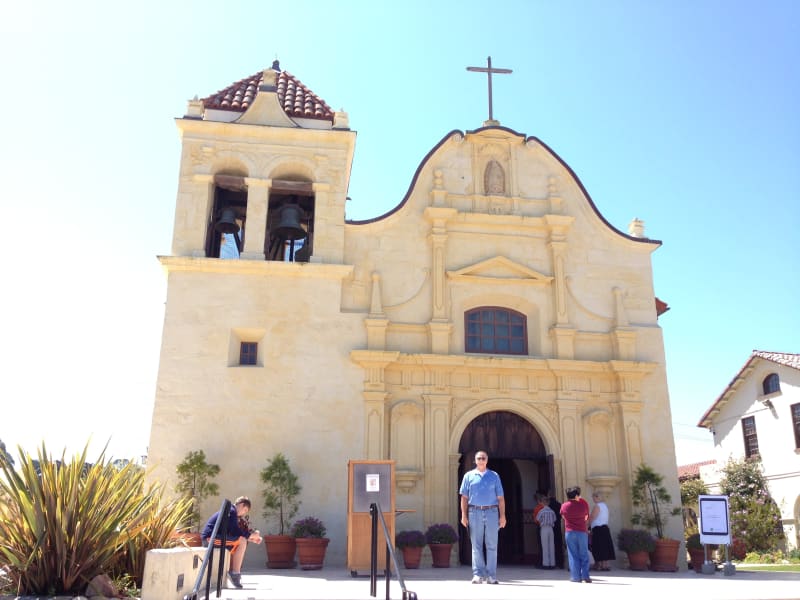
(336, 583)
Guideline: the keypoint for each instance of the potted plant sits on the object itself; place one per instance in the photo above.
(280, 492)
(410, 542)
(638, 543)
(195, 483)
(440, 538)
(652, 503)
(697, 555)
(309, 533)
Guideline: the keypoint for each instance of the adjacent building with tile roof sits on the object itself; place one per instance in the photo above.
(692, 471)
(758, 415)
(493, 308)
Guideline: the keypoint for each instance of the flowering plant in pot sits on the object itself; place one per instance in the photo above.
(440, 538)
(441, 533)
(308, 527)
(309, 534)
(412, 538)
(638, 543)
(411, 542)
(635, 540)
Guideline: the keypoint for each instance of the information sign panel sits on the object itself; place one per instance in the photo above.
(714, 521)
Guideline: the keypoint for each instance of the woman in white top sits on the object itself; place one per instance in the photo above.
(602, 544)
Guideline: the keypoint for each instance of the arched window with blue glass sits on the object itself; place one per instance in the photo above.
(495, 330)
(771, 384)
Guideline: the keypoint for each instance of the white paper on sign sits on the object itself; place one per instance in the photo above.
(373, 482)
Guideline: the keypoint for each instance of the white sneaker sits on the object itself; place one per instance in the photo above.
(491, 580)
(477, 579)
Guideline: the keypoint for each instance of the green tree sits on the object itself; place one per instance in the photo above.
(691, 490)
(280, 492)
(755, 518)
(194, 482)
(651, 500)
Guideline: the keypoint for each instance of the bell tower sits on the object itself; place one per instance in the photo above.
(264, 173)
(258, 240)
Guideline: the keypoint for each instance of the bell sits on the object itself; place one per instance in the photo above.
(289, 225)
(227, 222)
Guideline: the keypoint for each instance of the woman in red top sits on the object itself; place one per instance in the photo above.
(576, 517)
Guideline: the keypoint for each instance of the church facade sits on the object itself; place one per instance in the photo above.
(493, 308)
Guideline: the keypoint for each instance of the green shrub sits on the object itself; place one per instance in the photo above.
(755, 518)
(651, 500)
(65, 522)
(281, 488)
(194, 482)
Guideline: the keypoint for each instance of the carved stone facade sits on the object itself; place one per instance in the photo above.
(363, 351)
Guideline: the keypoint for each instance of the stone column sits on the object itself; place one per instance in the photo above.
(375, 438)
(571, 432)
(439, 489)
(376, 322)
(192, 209)
(440, 326)
(563, 333)
(624, 336)
(256, 223)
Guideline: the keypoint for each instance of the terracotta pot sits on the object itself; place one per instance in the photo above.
(697, 557)
(638, 560)
(311, 552)
(280, 551)
(412, 555)
(440, 553)
(665, 556)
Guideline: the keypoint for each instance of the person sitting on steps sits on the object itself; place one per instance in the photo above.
(237, 538)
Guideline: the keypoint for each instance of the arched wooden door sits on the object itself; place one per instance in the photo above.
(517, 453)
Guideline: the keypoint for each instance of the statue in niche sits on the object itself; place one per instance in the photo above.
(494, 179)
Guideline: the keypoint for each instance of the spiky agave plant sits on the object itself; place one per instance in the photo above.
(66, 521)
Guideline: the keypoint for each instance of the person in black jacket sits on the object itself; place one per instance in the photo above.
(558, 539)
(237, 537)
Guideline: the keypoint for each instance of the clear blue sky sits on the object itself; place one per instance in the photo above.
(681, 113)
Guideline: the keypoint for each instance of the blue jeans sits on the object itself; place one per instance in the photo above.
(483, 527)
(578, 550)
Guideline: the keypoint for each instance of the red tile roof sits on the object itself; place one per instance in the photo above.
(692, 471)
(297, 100)
(661, 307)
(782, 358)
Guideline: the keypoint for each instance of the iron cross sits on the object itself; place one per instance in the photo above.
(489, 70)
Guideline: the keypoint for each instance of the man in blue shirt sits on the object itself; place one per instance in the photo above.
(483, 512)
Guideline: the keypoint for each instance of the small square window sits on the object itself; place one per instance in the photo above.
(248, 353)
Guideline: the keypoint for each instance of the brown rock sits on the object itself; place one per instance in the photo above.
(102, 585)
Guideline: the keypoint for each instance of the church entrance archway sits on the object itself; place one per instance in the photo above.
(518, 454)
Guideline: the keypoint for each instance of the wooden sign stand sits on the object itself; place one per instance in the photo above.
(368, 481)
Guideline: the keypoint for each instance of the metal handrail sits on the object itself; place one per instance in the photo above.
(221, 529)
(377, 514)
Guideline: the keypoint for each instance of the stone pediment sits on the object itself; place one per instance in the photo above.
(499, 269)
